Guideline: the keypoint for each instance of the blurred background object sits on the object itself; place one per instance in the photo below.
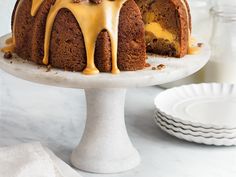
(5, 15)
(201, 19)
(221, 67)
(223, 2)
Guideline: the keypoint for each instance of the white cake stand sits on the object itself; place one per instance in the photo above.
(105, 146)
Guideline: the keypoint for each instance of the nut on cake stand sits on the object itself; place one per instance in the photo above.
(105, 146)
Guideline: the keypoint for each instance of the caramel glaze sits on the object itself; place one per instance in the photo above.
(92, 18)
(35, 6)
(9, 41)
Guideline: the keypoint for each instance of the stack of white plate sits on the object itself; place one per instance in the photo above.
(201, 113)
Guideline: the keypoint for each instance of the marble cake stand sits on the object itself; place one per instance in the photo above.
(105, 146)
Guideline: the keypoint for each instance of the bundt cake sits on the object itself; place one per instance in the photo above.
(99, 35)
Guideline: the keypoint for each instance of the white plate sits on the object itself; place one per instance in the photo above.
(197, 139)
(200, 105)
(191, 127)
(196, 133)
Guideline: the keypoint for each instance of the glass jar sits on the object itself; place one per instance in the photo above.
(222, 65)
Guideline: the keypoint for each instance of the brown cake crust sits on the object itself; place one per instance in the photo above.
(23, 29)
(67, 49)
(183, 26)
(132, 50)
(189, 15)
(39, 27)
(103, 52)
(13, 14)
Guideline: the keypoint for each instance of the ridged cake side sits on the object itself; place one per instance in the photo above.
(67, 48)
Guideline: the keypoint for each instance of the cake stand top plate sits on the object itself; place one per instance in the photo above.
(175, 69)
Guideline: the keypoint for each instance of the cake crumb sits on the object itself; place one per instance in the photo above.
(147, 65)
(7, 55)
(200, 44)
(161, 66)
(48, 68)
(154, 68)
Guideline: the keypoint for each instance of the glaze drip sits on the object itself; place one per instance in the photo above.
(92, 20)
(9, 41)
(35, 6)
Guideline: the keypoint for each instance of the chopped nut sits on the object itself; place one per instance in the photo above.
(96, 1)
(154, 68)
(48, 68)
(7, 55)
(199, 44)
(161, 66)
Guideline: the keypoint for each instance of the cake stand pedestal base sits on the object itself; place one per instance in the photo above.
(105, 146)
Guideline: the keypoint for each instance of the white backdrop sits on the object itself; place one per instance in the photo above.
(6, 7)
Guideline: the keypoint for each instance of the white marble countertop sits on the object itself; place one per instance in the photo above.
(56, 117)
